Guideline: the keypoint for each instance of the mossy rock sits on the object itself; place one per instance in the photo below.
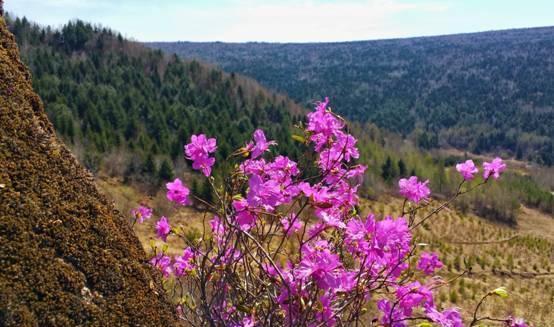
(67, 258)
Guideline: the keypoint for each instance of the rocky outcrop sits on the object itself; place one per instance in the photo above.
(67, 258)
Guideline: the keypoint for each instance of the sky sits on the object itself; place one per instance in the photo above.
(288, 20)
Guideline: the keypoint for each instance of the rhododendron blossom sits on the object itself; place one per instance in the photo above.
(218, 229)
(142, 213)
(429, 263)
(199, 150)
(494, 168)
(516, 322)
(290, 248)
(467, 169)
(184, 263)
(291, 224)
(260, 144)
(163, 263)
(447, 318)
(177, 192)
(414, 190)
(163, 228)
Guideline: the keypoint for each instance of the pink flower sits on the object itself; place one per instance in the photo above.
(429, 262)
(248, 322)
(467, 169)
(163, 263)
(198, 150)
(142, 213)
(392, 315)
(346, 146)
(260, 144)
(218, 230)
(204, 164)
(177, 192)
(262, 194)
(494, 168)
(245, 220)
(163, 228)
(184, 263)
(414, 190)
(323, 125)
(413, 295)
(327, 313)
(390, 242)
(291, 224)
(447, 318)
(320, 264)
(200, 146)
(332, 219)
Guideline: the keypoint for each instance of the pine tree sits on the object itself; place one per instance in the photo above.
(401, 168)
(165, 173)
(386, 169)
(149, 166)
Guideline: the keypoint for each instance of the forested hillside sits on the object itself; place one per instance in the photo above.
(480, 92)
(126, 111)
(130, 109)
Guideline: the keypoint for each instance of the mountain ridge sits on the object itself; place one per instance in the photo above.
(127, 111)
(461, 34)
(483, 92)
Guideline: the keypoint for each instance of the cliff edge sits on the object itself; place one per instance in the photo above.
(67, 258)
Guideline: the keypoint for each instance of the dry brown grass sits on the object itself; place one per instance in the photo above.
(523, 261)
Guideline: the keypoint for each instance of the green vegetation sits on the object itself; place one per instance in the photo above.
(115, 101)
(126, 111)
(481, 92)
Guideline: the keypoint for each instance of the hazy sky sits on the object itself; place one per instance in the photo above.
(287, 20)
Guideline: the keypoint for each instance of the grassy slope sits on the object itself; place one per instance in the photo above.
(523, 262)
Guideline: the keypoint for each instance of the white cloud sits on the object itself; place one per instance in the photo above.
(235, 20)
(292, 21)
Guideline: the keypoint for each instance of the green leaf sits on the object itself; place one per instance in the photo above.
(501, 291)
(424, 324)
(298, 138)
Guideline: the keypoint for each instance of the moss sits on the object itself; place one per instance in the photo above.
(67, 257)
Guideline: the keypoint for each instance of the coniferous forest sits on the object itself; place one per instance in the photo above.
(482, 92)
(127, 111)
(107, 95)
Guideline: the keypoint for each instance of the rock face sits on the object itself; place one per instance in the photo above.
(67, 258)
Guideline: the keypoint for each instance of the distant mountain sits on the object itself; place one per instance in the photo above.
(126, 111)
(481, 92)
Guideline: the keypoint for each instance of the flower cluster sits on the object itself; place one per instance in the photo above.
(494, 168)
(199, 150)
(141, 213)
(429, 263)
(177, 192)
(287, 248)
(414, 190)
(467, 169)
(259, 145)
(163, 228)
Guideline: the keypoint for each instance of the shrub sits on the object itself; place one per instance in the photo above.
(285, 247)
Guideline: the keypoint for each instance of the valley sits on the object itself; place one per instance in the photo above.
(416, 106)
